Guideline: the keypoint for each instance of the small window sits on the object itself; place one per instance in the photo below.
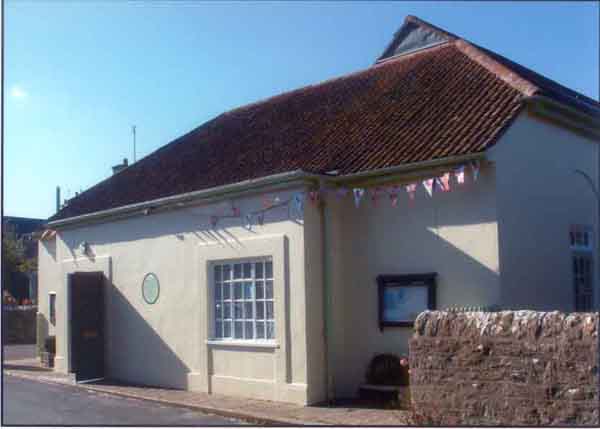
(244, 305)
(403, 297)
(52, 307)
(581, 237)
(582, 257)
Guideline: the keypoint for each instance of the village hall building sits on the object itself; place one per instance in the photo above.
(274, 250)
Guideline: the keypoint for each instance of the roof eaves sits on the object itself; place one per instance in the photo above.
(217, 193)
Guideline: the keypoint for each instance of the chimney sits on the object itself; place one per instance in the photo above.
(119, 167)
(57, 198)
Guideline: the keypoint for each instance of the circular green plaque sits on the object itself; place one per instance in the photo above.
(150, 288)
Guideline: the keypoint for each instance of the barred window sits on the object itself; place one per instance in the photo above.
(582, 259)
(243, 300)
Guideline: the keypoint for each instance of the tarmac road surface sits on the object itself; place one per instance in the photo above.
(28, 402)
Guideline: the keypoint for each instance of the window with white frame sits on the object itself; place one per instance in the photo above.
(243, 300)
(582, 256)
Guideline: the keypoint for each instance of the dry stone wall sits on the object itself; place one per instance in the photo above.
(505, 368)
(19, 326)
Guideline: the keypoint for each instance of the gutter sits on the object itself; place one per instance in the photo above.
(566, 115)
(253, 186)
(391, 173)
(288, 179)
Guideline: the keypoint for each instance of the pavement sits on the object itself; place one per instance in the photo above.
(255, 411)
(27, 402)
(19, 351)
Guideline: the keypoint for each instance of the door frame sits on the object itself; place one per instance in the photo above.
(103, 321)
(63, 361)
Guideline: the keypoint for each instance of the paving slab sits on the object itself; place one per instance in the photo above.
(251, 410)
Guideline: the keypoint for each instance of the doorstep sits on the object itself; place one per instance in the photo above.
(251, 410)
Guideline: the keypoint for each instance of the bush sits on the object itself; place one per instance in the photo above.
(50, 345)
(387, 369)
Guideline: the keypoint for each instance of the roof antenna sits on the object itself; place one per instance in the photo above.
(133, 129)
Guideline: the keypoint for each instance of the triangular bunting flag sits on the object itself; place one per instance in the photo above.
(475, 168)
(266, 202)
(394, 191)
(411, 189)
(299, 202)
(459, 173)
(428, 185)
(374, 192)
(358, 194)
(445, 179)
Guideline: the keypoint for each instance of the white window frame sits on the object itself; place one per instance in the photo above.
(219, 301)
(581, 240)
(52, 317)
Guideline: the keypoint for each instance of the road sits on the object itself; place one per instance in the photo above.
(27, 402)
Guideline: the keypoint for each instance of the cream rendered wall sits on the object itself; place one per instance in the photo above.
(50, 277)
(453, 234)
(165, 344)
(539, 197)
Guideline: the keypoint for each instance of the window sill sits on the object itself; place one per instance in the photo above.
(241, 343)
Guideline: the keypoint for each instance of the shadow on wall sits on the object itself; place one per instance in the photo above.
(194, 220)
(452, 234)
(136, 352)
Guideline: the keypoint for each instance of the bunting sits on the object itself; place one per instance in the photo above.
(411, 189)
(296, 201)
(358, 194)
(475, 169)
(299, 203)
(314, 197)
(444, 182)
(460, 174)
(266, 202)
(374, 193)
(428, 185)
(394, 192)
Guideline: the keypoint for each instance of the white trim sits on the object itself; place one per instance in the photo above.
(91, 380)
(243, 343)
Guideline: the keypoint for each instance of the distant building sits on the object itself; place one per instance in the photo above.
(25, 231)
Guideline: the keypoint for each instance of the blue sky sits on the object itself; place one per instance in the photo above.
(78, 74)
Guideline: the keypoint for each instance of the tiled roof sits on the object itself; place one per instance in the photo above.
(449, 99)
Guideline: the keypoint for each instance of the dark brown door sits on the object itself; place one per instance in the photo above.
(87, 325)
